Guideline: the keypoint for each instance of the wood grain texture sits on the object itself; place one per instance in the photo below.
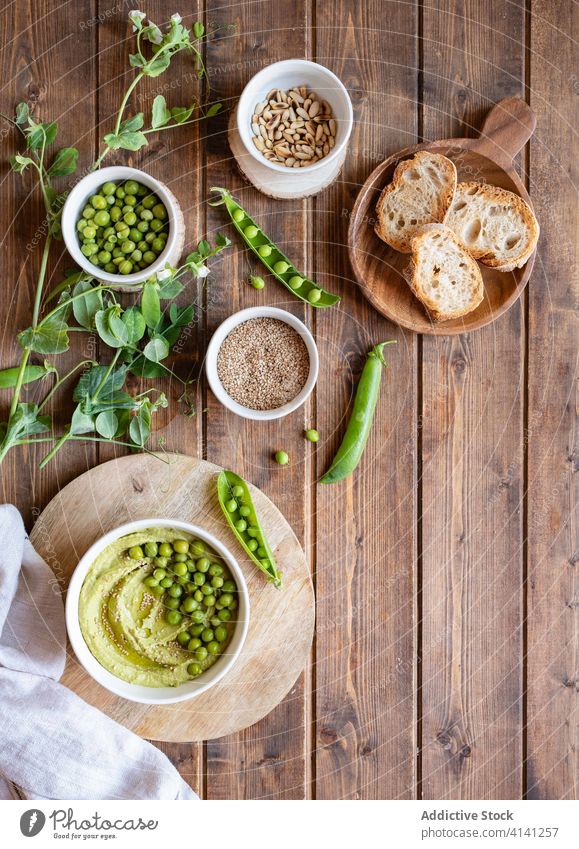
(552, 430)
(281, 623)
(270, 760)
(472, 463)
(365, 526)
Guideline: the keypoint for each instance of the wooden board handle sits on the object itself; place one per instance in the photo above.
(507, 128)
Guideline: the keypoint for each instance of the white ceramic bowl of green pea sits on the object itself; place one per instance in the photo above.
(90, 186)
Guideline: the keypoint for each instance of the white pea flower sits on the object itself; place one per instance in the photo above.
(164, 274)
(137, 18)
(154, 34)
(202, 271)
(176, 18)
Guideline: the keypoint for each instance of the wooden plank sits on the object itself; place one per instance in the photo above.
(472, 463)
(174, 157)
(552, 429)
(41, 65)
(365, 672)
(269, 760)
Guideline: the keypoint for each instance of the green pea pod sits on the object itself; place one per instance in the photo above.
(302, 287)
(9, 376)
(226, 482)
(354, 441)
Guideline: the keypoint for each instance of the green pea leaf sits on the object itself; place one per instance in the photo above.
(136, 60)
(214, 109)
(157, 66)
(140, 428)
(160, 115)
(170, 288)
(135, 324)
(81, 422)
(141, 367)
(106, 424)
(110, 327)
(198, 29)
(25, 421)
(20, 163)
(50, 337)
(92, 379)
(125, 141)
(40, 135)
(182, 113)
(181, 316)
(86, 308)
(64, 162)
(150, 305)
(132, 124)
(22, 113)
(156, 349)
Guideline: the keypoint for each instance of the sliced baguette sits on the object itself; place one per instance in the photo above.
(496, 226)
(443, 275)
(420, 193)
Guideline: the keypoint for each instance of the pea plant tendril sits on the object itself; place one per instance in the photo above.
(140, 335)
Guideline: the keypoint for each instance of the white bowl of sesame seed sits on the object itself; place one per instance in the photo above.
(262, 363)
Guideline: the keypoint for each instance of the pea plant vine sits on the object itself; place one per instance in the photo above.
(139, 337)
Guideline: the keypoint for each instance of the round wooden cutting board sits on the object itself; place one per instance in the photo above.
(281, 623)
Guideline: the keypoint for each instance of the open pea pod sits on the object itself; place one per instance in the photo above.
(237, 505)
(276, 262)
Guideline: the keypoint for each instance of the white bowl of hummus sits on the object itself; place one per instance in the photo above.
(157, 611)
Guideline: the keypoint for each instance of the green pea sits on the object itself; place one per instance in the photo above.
(159, 211)
(295, 282)
(221, 633)
(98, 202)
(224, 615)
(231, 505)
(183, 637)
(280, 267)
(166, 582)
(252, 544)
(108, 188)
(136, 256)
(81, 224)
(110, 267)
(158, 245)
(207, 589)
(175, 591)
(216, 582)
(104, 257)
(102, 218)
(207, 635)
(136, 552)
(213, 647)
(180, 569)
(161, 561)
(261, 552)
(194, 670)
(245, 511)
(215, 570)
(201, 653)
(194, 644)
(172, 603)
(159, 574)
(196, 630)
(199, 579)
(241, 525)
(149, 257)
(314, 296)
(156, 225)
(180, 558)
(149, 201)
(158, 591)
(253, 532)
(198, 595)
(190, 564)
(173, 617)
(189, 605)
(264, 251)
(281, 458)
(203, 564)
(257, 282)
(251, 231)
(130, 200)
(151, 581)
(131, 187)
(229, 587)
(115, 213)
(88, 233)
(311, 435)
(165, 549)
(209, 601)
(197, 616)
(125, 267)
(197, 548)
(226, 599)
(238, 215)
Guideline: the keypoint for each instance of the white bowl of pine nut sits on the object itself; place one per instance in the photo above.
(293, 115)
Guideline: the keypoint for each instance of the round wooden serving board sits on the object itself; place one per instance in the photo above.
(281, 621)
(487, 159)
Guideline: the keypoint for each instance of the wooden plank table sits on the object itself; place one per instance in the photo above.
(445, 659)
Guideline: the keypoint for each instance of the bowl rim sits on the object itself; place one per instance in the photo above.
(294, 63)
(116, 685)
(217, 339)
(77, 198)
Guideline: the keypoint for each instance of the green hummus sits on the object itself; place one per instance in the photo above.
(124, 625)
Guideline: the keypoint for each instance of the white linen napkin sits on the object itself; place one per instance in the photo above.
(54, 745)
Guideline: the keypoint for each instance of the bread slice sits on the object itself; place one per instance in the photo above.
(443, 275)
(496, 226)
(420, 193)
